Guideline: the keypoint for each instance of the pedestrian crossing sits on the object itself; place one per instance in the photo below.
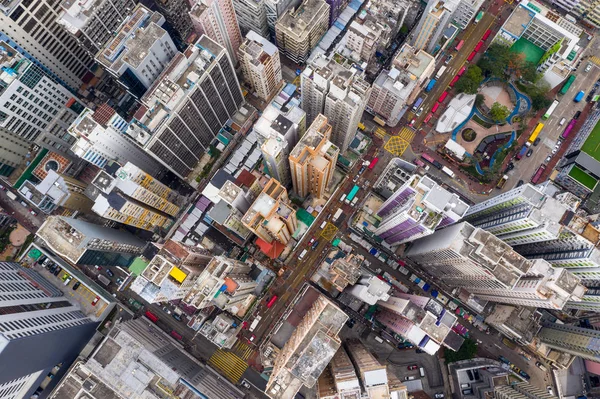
(406, 134)
(379, 132)
(242, 350)
(229, 364)
(396, 146)
(595, 60)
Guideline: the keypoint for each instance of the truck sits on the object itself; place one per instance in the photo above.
(502, 182)
(579, 96)
(447, 171)
(522, 153)
(302, 254)
(337, 214)
(430, 85)
(11, 195)
(254, 323)
(440, 72)
(103, 280)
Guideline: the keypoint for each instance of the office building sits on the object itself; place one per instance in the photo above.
(56, 191)
(83, 243)
(98, 144)
(420, 320)
(177, 14)
(139, 52)
(372, 374)
(93, 22)
(395, 90)
(339, 379)
(299, 30)
(252, 15)
(186, 108)
(432, 25)
(417, 209)
(312, 344)
(471, 258)
(225, 283)
(137, 360)
(312, 161)
(13, 151)
(42, 331)
(216, 19)
(465, 12)
(577, 341)
(523, 215)
(521, 390)
(31, 101)
(171, 273)
(131, 196)
(260, 64)
(32, 29)
(272, 217)
(338, 92)
(278, 130)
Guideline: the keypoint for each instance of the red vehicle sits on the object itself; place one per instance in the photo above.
(176, 335)
(428, 117)
(373, 163)
(461, 71)
(95, 301)
(486, 35)
(435, 108)
(478, 46)
(271, 301)
(443, 97)
(538, 174)
(471, 56)
(459, 45)
(412, 367)
(453, 82)
(153, 318)
(427, 157)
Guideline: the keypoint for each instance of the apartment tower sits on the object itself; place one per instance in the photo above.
(260, 64)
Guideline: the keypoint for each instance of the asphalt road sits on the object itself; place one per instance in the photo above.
(20, 212)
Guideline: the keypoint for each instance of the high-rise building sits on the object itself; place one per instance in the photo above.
(171, 273)
(577, 341)
(216, 19)
(343, 375)
(57, 191)
(83, 243)
(100, 143)
(363, 38)
(93, 22)
(311, 346)
(32, 29)
(134, 361)
(394, 91)
(139, 52)
(275, 10)
(586, 9)
(521, 390)
(370, 290)
(13, 150)
(417, 209)
(299, 31)
(272, 217)
(338, 92)
(465, 12)
(252, 15)
(312, 161)
(41, 328)
(277, 130)
(372, 373)
(471, 258)
(225, 283)
(187, 107)
(131, 196)
(523, 215)
(177, 14)
(432, 25)
(31, 101)
(520, 324)
(260, 64)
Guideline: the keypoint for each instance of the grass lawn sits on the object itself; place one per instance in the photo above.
(592, 144)
(582, 177)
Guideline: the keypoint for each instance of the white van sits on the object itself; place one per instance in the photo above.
(378, 339)
(562, 121)
(323, 224)
(302, 254)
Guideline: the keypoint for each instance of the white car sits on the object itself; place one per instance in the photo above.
(245, 384)
(550, 391)
(554, 150)
(588, 67)
(549, 158)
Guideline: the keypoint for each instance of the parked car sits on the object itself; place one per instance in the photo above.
(588, 67)
(76, 285)
(438, 395)
(577, 115)
(95, 301)
(548, 158)
(110, 273)
(41, 259)
(119, 281)
(449, 59)
(166, 310)
(550, 391)
(23, 203)
(245, 384)
(98, 267)
(412, 367)
(58, 270)
(510, 166)
(530, 152)
(537, 141)
(312, 240)
(34, 213)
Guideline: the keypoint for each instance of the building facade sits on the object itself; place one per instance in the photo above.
(55, 191)
(432, 24)
(252, 15)
(261, 66)
(577, 341)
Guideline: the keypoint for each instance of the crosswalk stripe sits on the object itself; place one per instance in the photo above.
(595, 60)
(231, 365)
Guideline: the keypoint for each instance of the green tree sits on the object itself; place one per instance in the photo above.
(499, 112)
(495, 60)
(529, 72)
(470, 81)
(540, 101)
(479, 98)
(466, 351)
(404, 30)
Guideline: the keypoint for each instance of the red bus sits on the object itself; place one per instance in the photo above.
(538, 174)
(373, 163)
(569, 129)
(435, 108)
(478, 46)
(486, 35)
(459, 45)
(271, 301)
(443, 97)
(471, 56)
(153, 318)
(428, 118)
(427, 157)
(176, 335)
(453, 82)
(462, 70)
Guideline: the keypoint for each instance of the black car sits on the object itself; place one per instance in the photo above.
(577, 115)
(41, 259)
(76, 285)
(529, 152)
(510, 166)
(537, 141)
(520, 183)
(110, 273)
(57, 271)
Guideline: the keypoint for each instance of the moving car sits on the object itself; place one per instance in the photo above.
(530, 152)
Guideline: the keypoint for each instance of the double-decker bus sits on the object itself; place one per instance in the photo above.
(478, 46)
(352, 193)
(435, 108)
(373, 163)
(461, 71)
(443, 97)
(486, 35)
(567, 85)
(153, 318)
(459, 45)
(536, 132)
(453, 82)
(271, 302)
(569, 128)
(471, 56)
(538, 174)
(550, 110)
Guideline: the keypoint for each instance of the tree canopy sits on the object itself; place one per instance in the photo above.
(495, 60)
(470, 81)
(499, 112)
(466, 351)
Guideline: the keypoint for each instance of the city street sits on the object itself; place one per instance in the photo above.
(20, 212)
